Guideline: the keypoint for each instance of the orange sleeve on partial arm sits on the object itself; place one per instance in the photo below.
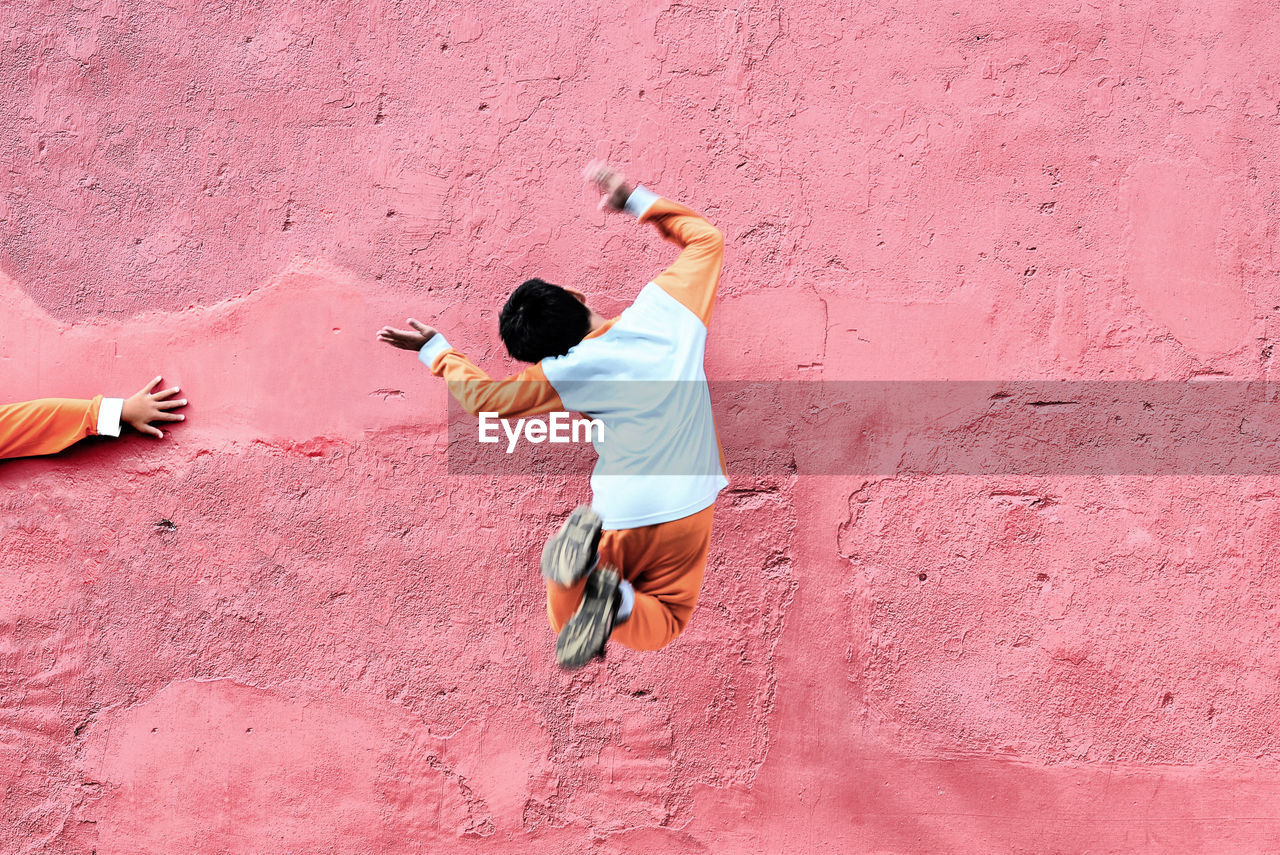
(693, 278)
(46, 426)
(526, 394)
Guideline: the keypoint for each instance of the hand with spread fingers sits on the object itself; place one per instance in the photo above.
(147, 406)
(412, 339)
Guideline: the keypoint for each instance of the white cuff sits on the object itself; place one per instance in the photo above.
(435, 346)
(640, 201)
(109, 416)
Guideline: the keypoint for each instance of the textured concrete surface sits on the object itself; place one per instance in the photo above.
(289, 629)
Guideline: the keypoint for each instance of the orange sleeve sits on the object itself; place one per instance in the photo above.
(693, 278)
(526, 394)
(46, 426)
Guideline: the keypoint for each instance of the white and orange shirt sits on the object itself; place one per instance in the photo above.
(49, 425)
(641, 374)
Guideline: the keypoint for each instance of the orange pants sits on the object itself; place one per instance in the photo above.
(46, 426)
(664, 563)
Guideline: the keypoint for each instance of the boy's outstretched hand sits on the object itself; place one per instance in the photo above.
(612, 184)
(147, 406)
(412, 339)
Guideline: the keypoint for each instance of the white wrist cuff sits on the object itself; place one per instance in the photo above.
(640, 201)
(435, 346)
(109, 416)
(628, 600)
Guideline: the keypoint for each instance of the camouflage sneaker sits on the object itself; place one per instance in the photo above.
(584, 636)
(571, 552)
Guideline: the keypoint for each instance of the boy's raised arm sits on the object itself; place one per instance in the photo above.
(694, 276)
(528, 393)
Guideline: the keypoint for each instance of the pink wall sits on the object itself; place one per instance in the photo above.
(340, 648)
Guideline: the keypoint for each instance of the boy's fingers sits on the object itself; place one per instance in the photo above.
(154, 383)
(419, 326)
(598, 172)
(170, 417)
(171, 405)
(160, 396)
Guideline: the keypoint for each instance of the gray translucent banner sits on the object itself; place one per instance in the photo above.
(928, 427)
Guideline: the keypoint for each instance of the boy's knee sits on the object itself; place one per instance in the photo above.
(653, 634)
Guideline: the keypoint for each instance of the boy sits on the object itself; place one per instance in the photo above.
(49, 425)
(630, 567)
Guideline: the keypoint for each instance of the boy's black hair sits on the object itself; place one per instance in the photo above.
(542, 320)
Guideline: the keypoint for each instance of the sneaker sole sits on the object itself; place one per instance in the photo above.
(568, 554)
(583, 638)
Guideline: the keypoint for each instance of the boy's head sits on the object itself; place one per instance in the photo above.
(542, 320)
